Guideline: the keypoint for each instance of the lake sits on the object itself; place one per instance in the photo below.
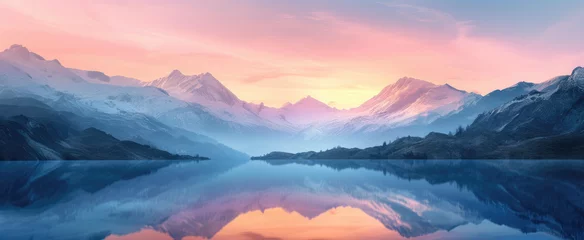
(292, 199)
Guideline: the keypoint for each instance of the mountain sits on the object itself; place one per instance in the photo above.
(308, 110)
(202, 88)
(547, 125)
(206, 91)
(27, 138)
(25, 74)
(129, 126)
(410, 101)
(39, 70)
(404, 108)
(559, 110)
(129, 113)
(494, 99)
(409, 97)
(197, 106)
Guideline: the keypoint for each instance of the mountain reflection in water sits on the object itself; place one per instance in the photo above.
(302, 199)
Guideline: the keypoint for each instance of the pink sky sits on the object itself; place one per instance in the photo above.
(280, 51)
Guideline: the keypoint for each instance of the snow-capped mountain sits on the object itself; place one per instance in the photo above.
(308, 110)
(468, 113)
(411, 100)
(38, 69)
(201, 103)
(557, 109)
(101, 97)
(203, 88)
(25, 74)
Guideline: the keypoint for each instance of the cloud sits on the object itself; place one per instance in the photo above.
(307, 72)
(255, 46)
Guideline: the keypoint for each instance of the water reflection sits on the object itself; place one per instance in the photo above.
(306, 200)
(338, 223)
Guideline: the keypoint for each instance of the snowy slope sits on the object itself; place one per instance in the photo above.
(205, 90)
(406, 102)
(202, 88)
(26, 74)
(202, 104)
(40, 70)
(556, 111)
(410, 97)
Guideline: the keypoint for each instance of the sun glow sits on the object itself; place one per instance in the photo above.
(335, 52)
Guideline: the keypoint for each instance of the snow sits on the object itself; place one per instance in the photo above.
(202, 88)
(187, 101)
(409, 100)
(399, 103)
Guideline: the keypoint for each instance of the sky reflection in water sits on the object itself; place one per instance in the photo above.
(315, 200)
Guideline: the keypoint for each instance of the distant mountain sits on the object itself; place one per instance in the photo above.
(535, 125)
(203, 89)
(201, 105)
(37, 69)
(206, 90)
(409, 99)
(308, 110)
(407, 107)
(220, 106)
(406, 102)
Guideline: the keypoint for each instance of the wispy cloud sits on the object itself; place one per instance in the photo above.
(296, 47)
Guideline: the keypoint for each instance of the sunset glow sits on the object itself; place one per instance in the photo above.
(340, 52)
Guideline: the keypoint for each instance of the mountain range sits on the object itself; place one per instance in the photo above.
(547, 122)
(127, 113)
(186, 114)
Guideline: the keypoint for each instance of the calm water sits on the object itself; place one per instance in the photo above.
(329, 199)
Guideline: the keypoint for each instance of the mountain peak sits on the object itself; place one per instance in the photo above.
(21, 52)
(308, 102)
(199, 88)
(577, 70)
(175, 73)
(18, 47)
(308, 98)
(523, 84)
(448, 86)
(577, 74)
(410, 81)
